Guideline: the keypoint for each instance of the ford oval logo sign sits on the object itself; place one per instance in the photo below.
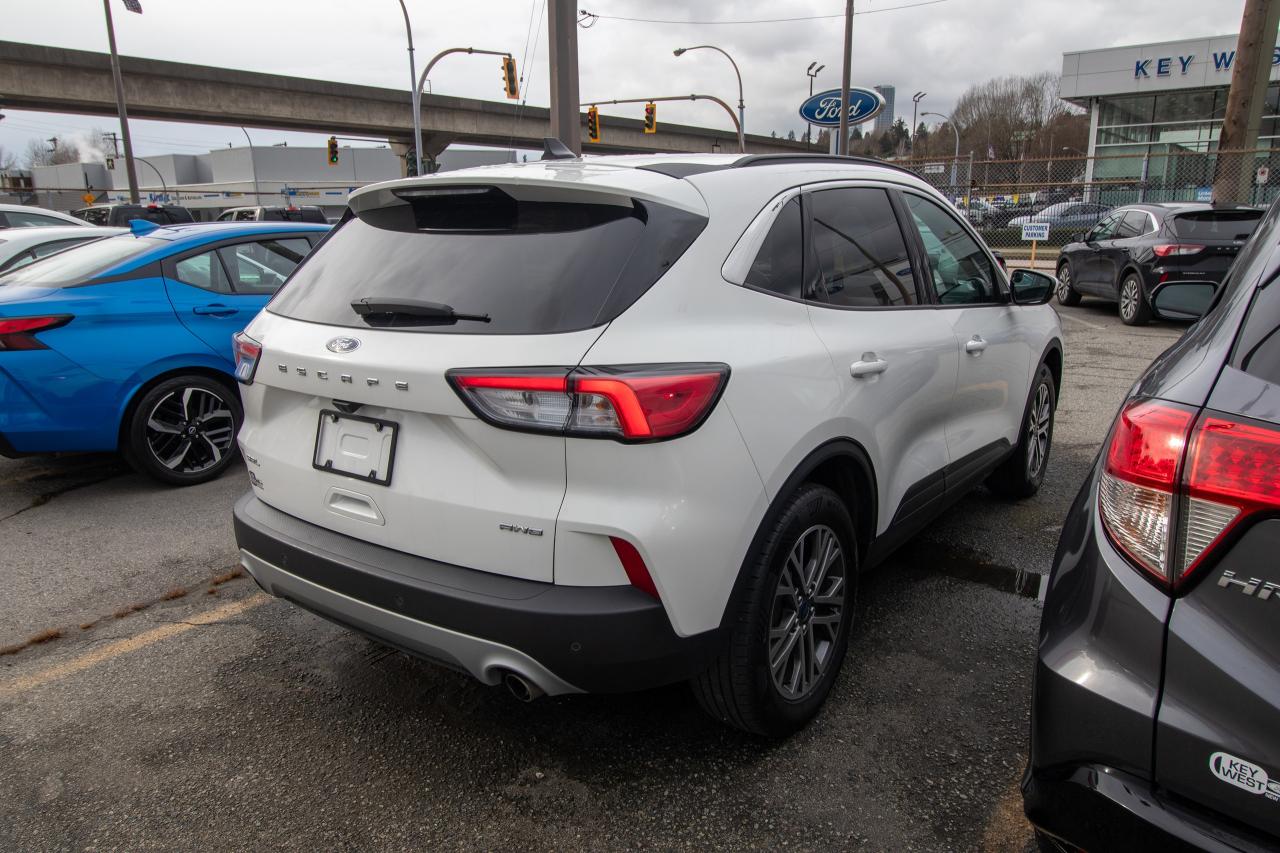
(823, 109)
(343, 345)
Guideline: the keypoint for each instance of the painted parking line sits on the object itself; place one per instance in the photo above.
(1084, 323)
(117, 648)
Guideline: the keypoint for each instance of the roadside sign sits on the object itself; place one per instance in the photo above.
(111, 163)
(1035, 231)
(1204, 194)
(87, 198)
(1262, 175)
(934, 168)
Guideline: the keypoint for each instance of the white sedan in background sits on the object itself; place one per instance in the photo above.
(26, 216)
(22, 246)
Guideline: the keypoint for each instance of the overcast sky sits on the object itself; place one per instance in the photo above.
(940, 48)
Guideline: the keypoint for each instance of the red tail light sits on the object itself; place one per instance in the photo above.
(1231, 471)
(247, 352)
(624, 403)
(18, 333)
(1175, 249)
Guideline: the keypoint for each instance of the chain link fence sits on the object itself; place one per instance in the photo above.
(1071, 193)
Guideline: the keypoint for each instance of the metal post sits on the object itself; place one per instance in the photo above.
(253, 168)
(1142, 187)
(915, 105)
(742, 122)
(813, 75)
(955, 158)
(842, 144)
(416, 99)
(562, 37)
(728, 109)
(426, 72)
(129, 168)
(163, 185)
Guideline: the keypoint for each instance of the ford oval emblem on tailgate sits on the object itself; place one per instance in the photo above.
(343, 345)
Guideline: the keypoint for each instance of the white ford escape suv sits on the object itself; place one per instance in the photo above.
(607, 423)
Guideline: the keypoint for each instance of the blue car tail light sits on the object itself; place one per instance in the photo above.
(18, 333)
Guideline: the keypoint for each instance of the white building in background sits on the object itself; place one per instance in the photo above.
(223, 178)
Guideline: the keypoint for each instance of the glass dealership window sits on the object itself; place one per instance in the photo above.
(1133, 109)
(1184, 106)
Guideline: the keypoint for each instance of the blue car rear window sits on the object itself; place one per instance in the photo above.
(81, 263)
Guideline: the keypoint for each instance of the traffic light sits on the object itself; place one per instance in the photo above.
(510, 81)
(593, 125)
(651, 117)
(333, 151)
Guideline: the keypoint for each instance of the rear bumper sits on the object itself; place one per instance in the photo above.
(1092, 807)
(564, 639)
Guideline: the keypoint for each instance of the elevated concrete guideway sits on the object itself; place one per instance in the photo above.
(51, 79)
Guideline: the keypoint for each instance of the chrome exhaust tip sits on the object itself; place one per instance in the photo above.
(521, 687)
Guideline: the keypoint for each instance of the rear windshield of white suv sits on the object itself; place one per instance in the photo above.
(1216, 224)
(533, 267)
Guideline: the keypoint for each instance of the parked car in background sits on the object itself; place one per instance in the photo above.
(124, 343)
(24, 216)
(305, 213)
(122, 214)
(1065, 216)
(1157, 682)
(977, 211)
(446, 402)
(22, 246)
(1136, 247)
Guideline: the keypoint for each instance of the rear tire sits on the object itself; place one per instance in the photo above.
(1021, 474)
(183, 430)
(1134, 310)
(789, 629)
(1064, 291)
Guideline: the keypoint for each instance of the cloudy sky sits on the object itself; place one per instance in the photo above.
(940, 47)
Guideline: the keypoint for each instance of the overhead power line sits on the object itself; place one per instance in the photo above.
(587, 19)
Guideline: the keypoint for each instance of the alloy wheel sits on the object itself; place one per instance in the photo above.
(1039, 420)
(807, 611)
(1129, 297)
(190, 430)
(1064, 284)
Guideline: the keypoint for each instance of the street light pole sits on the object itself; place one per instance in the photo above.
(813, 74)
(416, 99)
(426, 72)
(915, 104)
(742, 122)
(956, 158)
(253, 168)
(129, 168)
(842, 144)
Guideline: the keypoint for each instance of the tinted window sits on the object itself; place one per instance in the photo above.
(1216, 224)
(93, 215)
(532, 266)
(1131, 224)
(1258, 352)
(862, 258)
(22, 219)
(1105, 229)
(203, 271)
(19, 260)
(82, 263)
(779, 265)
(958, 267)
(261, 267)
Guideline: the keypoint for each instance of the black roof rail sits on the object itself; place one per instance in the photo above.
(771, 159)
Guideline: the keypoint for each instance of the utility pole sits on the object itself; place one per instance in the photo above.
(129, 168)
(1250, 75)
(842, 142)
(562, 37)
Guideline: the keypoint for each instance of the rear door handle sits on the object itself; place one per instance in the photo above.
(869, 365)
(975, 345)
(215, 310)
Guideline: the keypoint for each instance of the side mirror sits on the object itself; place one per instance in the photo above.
(1077, 237)
(1030, 287)
(1182, 300)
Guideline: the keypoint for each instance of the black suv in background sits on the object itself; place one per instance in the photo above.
(1138, 246)
(1155, 721)
(122, 214)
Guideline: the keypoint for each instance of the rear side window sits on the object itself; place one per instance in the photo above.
(262, 266)
(1133, 224)
(203, 271)
(862, 257)
(1216, 224)
(22, 219)
(1258, 352)
(779, 266)
(534, 267)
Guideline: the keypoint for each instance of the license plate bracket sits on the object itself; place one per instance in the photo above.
(355, 446)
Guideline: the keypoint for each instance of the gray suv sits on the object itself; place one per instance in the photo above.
(1156, 711)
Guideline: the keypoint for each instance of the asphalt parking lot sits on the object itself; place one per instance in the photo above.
(152, 698)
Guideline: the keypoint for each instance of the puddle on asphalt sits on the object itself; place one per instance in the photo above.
(966, 564)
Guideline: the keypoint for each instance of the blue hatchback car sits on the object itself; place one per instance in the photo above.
(125, 343)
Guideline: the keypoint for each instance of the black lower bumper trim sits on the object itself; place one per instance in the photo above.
(601, 639)
(1091, 807)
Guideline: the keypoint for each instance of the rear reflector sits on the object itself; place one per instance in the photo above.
(248, 353)
(1219, 472)
(18, 333)
(633, 565)
(647, 403)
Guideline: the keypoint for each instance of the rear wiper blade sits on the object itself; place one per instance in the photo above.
(377, 311)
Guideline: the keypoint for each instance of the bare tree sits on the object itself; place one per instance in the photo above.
(8, 160)
(39, 152)
(1016, 116)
